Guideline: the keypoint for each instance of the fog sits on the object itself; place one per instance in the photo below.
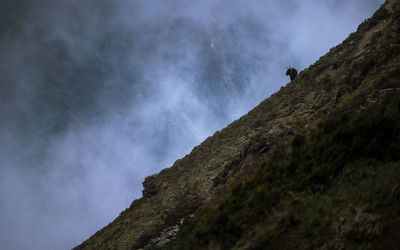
(97, 95)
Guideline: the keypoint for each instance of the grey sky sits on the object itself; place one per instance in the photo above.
(96, 95)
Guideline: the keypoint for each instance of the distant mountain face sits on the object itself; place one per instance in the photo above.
(67, 68)
(68, 65)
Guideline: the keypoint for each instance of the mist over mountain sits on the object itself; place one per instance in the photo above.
(96, 96)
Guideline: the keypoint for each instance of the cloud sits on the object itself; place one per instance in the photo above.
(99, 95)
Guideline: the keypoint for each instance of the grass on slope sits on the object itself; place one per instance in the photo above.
(336, 186)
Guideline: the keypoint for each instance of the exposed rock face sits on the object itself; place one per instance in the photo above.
(275, 132)
(149, 187)
(353, 77)
(166, 236)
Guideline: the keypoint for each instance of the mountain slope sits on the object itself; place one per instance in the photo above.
(277, 176)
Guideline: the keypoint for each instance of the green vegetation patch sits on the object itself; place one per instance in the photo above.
(335, 186)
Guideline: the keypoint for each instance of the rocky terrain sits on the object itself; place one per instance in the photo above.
(314, 166)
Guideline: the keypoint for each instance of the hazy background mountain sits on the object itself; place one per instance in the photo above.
(96, 96)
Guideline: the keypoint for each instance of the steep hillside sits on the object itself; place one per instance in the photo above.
(316, 165)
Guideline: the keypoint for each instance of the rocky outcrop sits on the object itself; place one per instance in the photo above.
(150, 188)
(165, 236)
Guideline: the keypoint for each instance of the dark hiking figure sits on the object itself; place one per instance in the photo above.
(292, 72)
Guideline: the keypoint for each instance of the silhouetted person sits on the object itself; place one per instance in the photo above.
(292, 72)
